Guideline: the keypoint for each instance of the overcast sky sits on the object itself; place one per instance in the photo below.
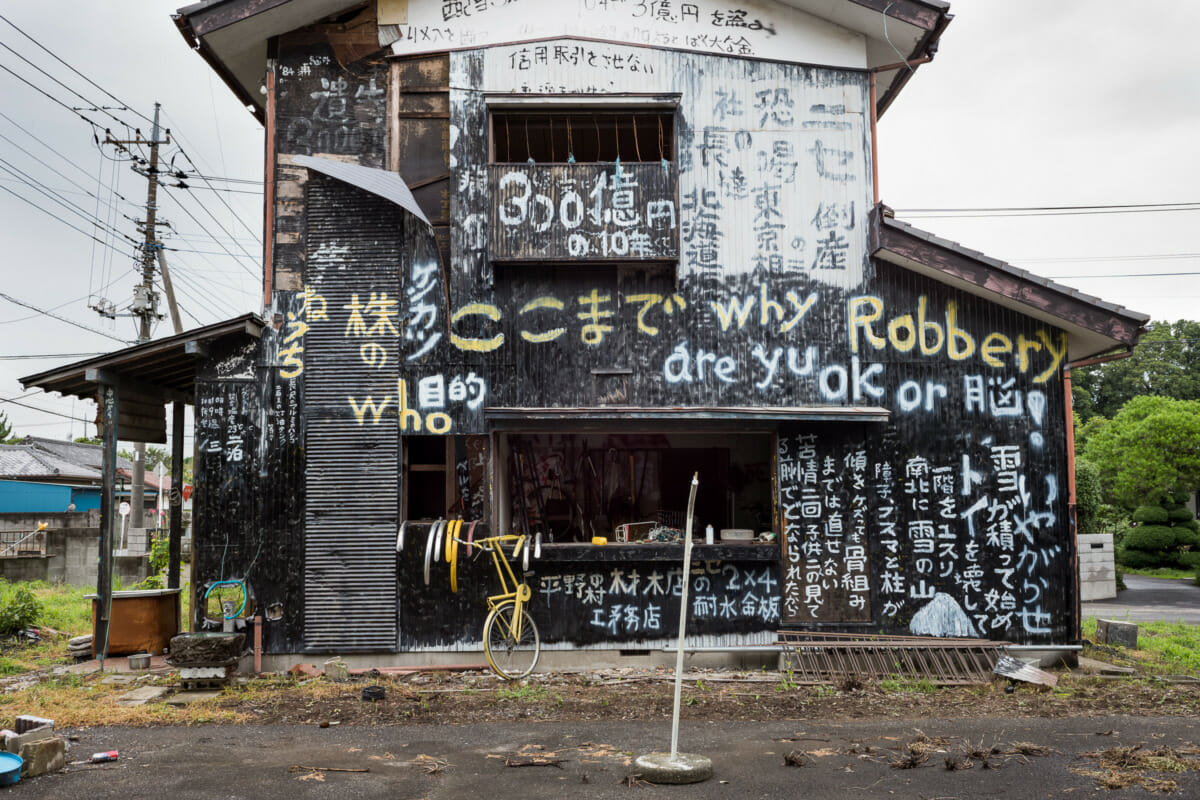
(1028, 104)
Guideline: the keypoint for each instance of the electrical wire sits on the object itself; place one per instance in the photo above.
(202, 227)
(47, 411)
(41, 188)
(46, 313)
(94, 106)
(27, 356)
(55, 216)
(77, 72)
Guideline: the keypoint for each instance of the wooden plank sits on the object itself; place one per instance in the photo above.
(583, 212)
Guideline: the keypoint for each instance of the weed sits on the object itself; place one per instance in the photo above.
(19, 608)
(907, 686)
(701, 685)
(787, 681)
(524, 691)
(824, 690)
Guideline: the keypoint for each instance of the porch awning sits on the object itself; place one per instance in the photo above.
(388, 185)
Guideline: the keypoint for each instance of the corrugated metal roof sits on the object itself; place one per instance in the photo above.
(388, 185)
(168, 363)
(78, 453)
(1015, 271)
(27, 461)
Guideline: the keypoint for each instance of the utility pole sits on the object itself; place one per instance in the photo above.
(145, 299)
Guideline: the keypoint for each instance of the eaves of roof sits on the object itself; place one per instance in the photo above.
(1093, 326)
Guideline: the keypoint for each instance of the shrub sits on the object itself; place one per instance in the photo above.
(1149, 538)
(1186, 537)
(19, 609)
(1181, 514)
(1190, 559)
(1137, 559)
(1150, 515)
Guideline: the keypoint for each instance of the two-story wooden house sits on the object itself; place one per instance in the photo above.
(533, 263)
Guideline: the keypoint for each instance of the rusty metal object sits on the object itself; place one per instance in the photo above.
(816, 658)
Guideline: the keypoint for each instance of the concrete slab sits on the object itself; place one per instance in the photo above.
(119, 680)
(187, 698)
(142, 695)
(1093, 667)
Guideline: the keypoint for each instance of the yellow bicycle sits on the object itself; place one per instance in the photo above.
(510, 637)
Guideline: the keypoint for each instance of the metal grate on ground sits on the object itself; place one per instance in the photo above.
(817, 658)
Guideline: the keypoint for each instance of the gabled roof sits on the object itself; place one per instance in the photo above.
(1093, 326)
(168, 365)
(233, 35)
(27, 461)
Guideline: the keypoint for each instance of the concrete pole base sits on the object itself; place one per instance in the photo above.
(684, 768)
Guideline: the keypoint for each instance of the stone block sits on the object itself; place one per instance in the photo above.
(28, 722)
(43, 757)
(1117, 633)
(13, 742)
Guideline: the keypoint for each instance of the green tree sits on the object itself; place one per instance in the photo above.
(6, 431)
(1149, 452)
(1166, 362)
(88, 440)
(154, 457)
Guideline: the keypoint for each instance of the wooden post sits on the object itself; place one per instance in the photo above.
(108, 510)
(176, 534)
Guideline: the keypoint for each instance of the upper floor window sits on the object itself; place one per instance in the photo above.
(540, 136)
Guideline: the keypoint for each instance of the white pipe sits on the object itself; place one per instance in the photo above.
(683, 601)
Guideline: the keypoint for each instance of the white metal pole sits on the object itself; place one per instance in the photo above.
(683, 610)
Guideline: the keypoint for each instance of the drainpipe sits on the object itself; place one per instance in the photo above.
(269, 190)
(875, 115)
(1069, 407)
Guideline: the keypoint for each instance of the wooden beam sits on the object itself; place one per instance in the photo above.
(176, 496)
(108, 511)
(134, 386)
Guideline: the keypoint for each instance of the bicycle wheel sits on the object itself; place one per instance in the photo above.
(509, 656)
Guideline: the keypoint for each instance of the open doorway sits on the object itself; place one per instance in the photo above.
(572, 487)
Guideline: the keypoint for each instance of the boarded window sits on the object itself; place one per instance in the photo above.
(543, 137)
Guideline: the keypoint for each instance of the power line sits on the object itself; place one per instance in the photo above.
(44, 312)
(42, 142)
(951, 213)
(48, 355)
(52, 98)
(95, 106)
(1083, 259)
(68, 66)
(203, 228)
(47, 411)
(1051, 208)
(1123, 275)
(60, 219)
(56, 197)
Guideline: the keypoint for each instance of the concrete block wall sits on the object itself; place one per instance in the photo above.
(1097, 567)
(72, 557)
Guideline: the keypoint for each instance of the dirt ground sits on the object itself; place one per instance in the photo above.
(612, 695)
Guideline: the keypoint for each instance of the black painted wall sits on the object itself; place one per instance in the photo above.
(948, 518)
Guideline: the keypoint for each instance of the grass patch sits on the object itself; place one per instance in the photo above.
(529, 692)
(76, 701)
(1161, 572)
(907, 686)
(64, 608)
(1164, 648)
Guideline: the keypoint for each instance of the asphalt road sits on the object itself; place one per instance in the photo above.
(1150, 600)
(258, 762)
